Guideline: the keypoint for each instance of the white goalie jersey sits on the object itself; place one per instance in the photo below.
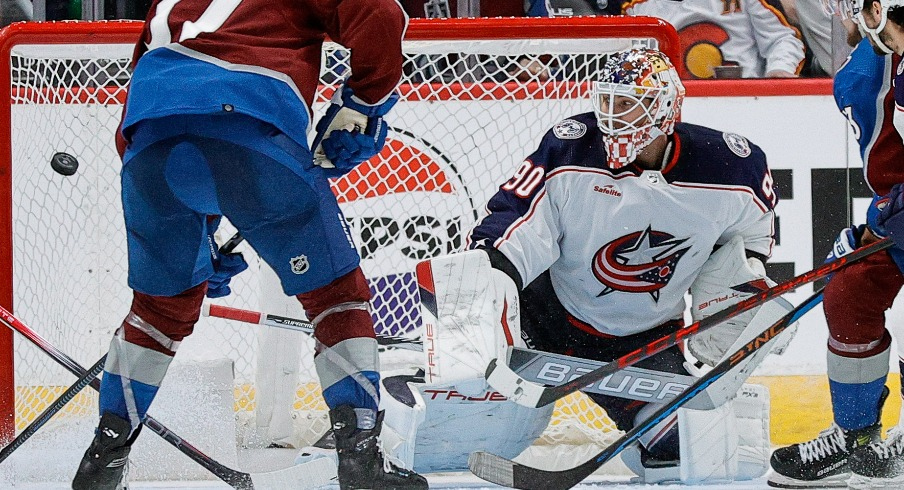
(623, 246)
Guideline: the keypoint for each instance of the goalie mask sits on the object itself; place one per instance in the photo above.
(637, 99)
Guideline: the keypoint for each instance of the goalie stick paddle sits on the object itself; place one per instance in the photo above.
(508, 473)
(311, 474)
(530, 394)
(53, 408)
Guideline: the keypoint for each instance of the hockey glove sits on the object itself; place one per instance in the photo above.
(847, 241)
(225, 267)
(891, 214)
(350, 132)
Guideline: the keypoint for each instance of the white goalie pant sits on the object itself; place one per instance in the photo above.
(721, 445)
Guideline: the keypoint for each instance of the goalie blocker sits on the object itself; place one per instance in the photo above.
(471, 315)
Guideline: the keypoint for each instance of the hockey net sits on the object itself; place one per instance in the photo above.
(477, 95)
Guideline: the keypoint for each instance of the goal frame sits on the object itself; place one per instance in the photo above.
(127, 32)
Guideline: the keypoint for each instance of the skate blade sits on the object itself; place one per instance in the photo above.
(858, 482)
(778, 480)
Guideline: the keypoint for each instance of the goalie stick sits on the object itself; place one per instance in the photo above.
(53, 408)
(508, 473)
(310, 474)
(501, 377)
(537, 366)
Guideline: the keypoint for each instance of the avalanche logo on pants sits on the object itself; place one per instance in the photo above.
(406, 205)
(640, 262)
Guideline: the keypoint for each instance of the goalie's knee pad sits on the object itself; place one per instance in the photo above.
(434, 427)
(728, 443)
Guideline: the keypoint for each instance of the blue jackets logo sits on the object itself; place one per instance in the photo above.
(639, 262)
(569, 129)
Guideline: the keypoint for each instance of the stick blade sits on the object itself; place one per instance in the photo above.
(517, 389)
(492, 468)
(311, 474)
(501, 471)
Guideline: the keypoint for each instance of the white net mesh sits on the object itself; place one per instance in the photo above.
(471, 110)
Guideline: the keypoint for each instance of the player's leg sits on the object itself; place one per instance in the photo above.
(881, 464)
(855, 302)
(285, 209)
(168, 268)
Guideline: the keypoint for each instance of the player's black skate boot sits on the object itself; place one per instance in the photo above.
(105, 461)
(362, 464)
(824, 461)
(879, 465)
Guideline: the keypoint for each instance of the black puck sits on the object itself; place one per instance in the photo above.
(63, 163)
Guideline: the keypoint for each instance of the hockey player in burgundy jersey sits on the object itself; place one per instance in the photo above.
(215, 124)
(856, 297)
(870, 92)
(615, 216)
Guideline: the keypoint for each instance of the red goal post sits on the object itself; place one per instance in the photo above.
(468, 64)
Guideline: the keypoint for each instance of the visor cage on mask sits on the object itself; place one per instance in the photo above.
(624, 109)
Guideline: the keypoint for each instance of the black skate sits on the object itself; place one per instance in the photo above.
(325, 447)
(362, 464)
(824, 461)
(879, 465)
(104, 464)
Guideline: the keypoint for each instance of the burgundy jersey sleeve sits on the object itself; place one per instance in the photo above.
(285, 37)
(372, 30)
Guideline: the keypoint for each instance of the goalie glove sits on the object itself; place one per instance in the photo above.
(350, 132)
(727, 277)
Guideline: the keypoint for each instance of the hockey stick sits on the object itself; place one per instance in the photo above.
(523, 392)
(258, 318)
(53, 408)
(508, 473)
(533, 365)
(309, 474)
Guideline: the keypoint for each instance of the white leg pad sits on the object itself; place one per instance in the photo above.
(401, 422)
(754, 444)
(720, 445)
(729, 443)
(470, 313)
(444, 426)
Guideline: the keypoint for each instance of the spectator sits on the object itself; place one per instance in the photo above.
(14, 11)
(462, 8)
(825, 36)
(126, 9)
(747, 33)
(568, 8)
